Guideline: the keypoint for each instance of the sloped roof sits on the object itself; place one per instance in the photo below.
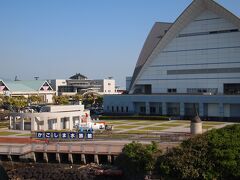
(192, 11)
(25, 86)
(78, 76)
(156, 34)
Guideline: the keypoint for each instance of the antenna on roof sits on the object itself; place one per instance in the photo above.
(36, 78)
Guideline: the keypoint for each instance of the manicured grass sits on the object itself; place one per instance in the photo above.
(143, 124)
(136, 132)
(23, 134)
(119, 136)
(150, 136)
(180, 122)
(7, 133)
(154, 128)
(213, 123)
(207, 127)
(4, 124)
(113, 123)
(126, 127)
(150, 122)
(1, 127)
(115, 136)
(129, 121)
(170, 125)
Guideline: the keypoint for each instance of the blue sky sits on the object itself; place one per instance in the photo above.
(98, 38)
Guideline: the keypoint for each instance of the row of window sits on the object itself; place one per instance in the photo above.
(108, 91)
(173, 109)
(172, 90)
(195, 90)
(209, 32)
(202, 90)
(121, 109)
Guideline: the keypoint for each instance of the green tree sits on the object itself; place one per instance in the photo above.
(15, 103)
(137, 159)
(3, 173)
(99, 100)
(1, 100)
(213, 155)
(77, 97)
(61, 100)
(34, 99)
(89, 100)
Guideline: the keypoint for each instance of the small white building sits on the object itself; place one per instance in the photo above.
(52, 117)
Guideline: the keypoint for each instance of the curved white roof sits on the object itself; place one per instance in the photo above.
(154, 46)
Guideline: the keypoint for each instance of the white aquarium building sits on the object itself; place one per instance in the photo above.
(190, 65)
(51, 117)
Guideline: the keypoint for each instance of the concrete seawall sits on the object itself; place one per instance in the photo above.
(62, 152)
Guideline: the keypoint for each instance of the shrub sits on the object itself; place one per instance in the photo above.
(137, 159)
(213, 155)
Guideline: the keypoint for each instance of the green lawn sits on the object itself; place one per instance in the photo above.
(7, 133)
(154, 128)
(213, 123)
(143, 124)
(136, 132)
(126, 127)
(207, 126)
(114, 136)
(23, 134)
(170, 125)
(116, 123)
(178, 122)
(4, 124)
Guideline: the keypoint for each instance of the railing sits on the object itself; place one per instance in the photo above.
(62, 148)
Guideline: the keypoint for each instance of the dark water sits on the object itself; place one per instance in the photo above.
(35, 171)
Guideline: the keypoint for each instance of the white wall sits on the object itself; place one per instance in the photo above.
(109, 86)
(57, 82)
(218, 51)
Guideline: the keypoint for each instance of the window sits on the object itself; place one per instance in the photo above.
(122, 109)
(152, 110)
(126, 108)
(172, 90)
(231, 88)
(202, 90)
(173, 109)
(112, 108)
(142, 109)
(117, 109)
